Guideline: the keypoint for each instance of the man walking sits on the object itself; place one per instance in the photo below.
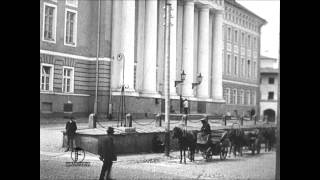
(71, 127)
(107, 153)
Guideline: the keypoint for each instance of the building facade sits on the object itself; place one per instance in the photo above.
(79, 57)
(269, 88)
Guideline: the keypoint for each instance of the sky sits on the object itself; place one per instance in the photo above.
(270, 11)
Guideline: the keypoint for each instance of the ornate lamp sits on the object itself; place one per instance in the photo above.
(199, 80)
(183, 77)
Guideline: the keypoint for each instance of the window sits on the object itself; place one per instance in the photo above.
(46, 107)
(73, 3)
(234, 96)
(235, 65)
(249, 41)
(229, 64)
(248, 98)
(243, 65)
(254, 43)
(270, 95)
(68, 79)
(236, 36)
(255, 69)
(224, 64)
(49, 23)
(227, 95)
(241, 97)
(46, 77)
(229, 34)
(271, 80)
(71, 27)
(254, 98)
(248, 68)
(242, 39)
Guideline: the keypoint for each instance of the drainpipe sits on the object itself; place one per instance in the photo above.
(97, 65)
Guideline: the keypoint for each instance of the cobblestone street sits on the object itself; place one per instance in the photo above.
(156, 166)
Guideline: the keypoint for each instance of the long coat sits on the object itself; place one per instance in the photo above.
(206, 128)
(106, 149)
(71, 128)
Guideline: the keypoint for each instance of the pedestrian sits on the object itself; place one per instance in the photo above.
(181, 104)
(185, 106)
(252, 113)
(71, 127)
(106, 151)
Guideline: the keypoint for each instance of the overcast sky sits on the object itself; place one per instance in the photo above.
(270, 11)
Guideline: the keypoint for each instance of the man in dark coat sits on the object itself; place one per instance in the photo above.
(252, 113)
(107, 153)
(71, 127)
(205, 129)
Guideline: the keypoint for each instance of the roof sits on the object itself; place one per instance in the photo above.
(234, 3)
(269, 70)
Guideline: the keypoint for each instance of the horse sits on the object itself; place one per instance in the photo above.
(236, 140)
(269, 138)
(186, 140)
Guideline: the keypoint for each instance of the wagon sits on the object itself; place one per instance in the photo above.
(216, 145)
(252, 140)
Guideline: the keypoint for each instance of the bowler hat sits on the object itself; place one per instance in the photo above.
(110, 130)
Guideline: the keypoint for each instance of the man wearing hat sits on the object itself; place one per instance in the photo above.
(71, 127)
(107, 153)
(205, 129)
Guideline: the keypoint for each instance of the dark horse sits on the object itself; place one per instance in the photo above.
(186, 140)
(236, 141)
(268, 137)
(239, 139)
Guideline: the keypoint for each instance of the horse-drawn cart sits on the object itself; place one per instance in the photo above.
(215, 143)
(240, 138)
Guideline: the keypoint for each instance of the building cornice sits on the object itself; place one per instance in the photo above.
(54, 53)
(240, 83)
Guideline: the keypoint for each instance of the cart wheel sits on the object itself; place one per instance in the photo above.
(223, 153)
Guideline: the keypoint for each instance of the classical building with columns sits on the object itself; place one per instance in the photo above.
(219, 39)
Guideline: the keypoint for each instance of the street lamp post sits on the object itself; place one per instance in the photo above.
(168, 17)
(182, 78)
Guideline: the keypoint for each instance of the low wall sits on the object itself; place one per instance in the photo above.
(133, 143)
(124, 143)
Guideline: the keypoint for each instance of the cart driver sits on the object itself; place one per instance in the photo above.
(205, 129)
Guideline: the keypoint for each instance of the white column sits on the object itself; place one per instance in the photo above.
(150, 51)
(203, 53)
(127, 42)
(173, 47)
(116, 27)
(187, 51)
(217, 92)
